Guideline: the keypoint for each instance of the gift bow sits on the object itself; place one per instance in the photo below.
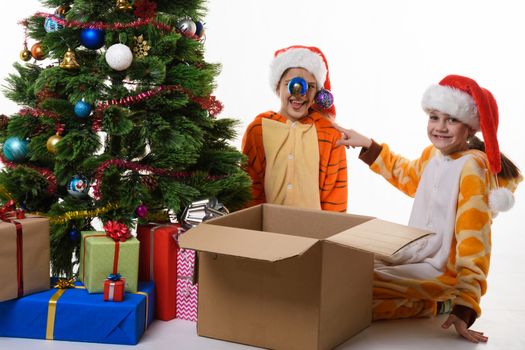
(114, 277)
(6, 208)
(64, 283)
(117, 231)
(202, 210)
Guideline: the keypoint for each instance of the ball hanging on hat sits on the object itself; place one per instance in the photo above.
(92, 38)
(15, 149)
(324, 99)
(297, 86)
(119, 57)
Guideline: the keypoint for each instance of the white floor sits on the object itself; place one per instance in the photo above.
(503, 318)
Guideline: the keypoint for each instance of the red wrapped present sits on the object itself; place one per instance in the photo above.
(114, 288)
(158, 262)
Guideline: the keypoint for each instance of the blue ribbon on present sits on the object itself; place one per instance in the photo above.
(114, 277)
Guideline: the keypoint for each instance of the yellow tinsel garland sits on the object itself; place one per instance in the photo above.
(81, 214)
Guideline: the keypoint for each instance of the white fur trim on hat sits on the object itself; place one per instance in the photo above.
(298, 58)
(451, 101)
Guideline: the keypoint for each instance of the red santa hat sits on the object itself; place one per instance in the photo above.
(310, 58)
(462, 98)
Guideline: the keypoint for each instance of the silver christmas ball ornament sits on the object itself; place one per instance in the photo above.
(187, 27)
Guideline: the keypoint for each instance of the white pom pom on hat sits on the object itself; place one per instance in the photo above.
(501, 199)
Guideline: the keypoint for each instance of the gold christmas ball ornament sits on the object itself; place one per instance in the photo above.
(25, 54)
(37, 52)
(52, 142)
(123, 5)
(62, 10)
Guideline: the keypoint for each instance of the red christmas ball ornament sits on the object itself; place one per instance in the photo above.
(141, 211)
(37, 52)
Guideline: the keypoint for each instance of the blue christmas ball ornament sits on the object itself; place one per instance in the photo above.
(297, 86)
(199, 32)
(15, 149)
(78, 186)
(92, 38)
(82, 109)
(324, 99)
(50, 25)
(74, 234)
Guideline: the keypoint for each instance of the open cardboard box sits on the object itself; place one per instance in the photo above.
(287, 278)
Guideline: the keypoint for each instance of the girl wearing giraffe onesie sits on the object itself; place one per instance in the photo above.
(459, 184)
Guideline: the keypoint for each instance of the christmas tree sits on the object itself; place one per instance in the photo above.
(116, 120)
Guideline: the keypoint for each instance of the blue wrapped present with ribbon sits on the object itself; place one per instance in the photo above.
(69, 312)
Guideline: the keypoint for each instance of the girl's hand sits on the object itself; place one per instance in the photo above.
(461, 329)
(350, 137)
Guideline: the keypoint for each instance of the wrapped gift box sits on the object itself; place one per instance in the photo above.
(98, 255)
(114, 290)
(187, 291)
(24, 256)
(79, 316)
(158, 262)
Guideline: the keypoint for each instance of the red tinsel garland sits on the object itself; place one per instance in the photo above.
(123, 164)
(47, 174)
(210, 103)
(101, 25)
(35, 112)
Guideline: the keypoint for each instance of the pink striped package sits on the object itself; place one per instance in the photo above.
(187, 293)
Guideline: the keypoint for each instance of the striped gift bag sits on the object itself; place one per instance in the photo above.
(187, 292)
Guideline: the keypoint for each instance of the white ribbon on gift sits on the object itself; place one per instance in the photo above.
(111, 293)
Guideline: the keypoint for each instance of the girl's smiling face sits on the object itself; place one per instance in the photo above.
(296, 107)
(447, 133)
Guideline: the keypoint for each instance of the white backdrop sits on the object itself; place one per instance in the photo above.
(382, 56)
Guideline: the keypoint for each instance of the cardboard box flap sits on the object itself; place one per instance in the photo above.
(244, 243)
(380, 237)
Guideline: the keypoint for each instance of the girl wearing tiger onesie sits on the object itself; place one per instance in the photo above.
(293, 156)
(459, 184)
